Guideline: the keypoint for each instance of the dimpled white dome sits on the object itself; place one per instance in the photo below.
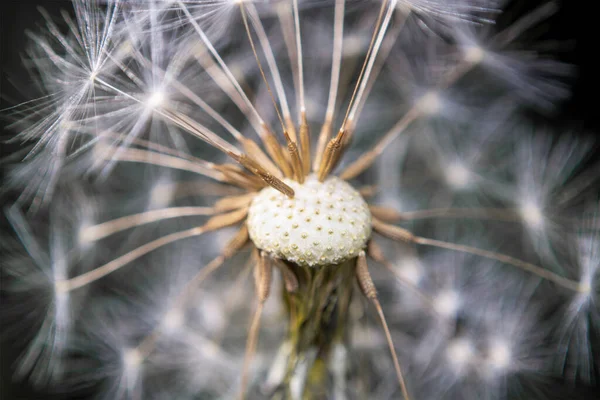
(325, 223)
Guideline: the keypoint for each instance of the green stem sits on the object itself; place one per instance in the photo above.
(318, 320)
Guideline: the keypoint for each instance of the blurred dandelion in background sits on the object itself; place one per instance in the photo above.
(297, 199)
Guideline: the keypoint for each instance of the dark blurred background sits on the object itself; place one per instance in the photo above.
(573, 27)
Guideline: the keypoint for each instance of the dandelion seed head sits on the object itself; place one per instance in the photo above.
(325, 223)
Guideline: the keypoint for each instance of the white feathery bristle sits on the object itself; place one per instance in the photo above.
(430, 103)
(161, 194)
(473, 54)
(132, 359)
(173, 320)
(532, 215)
(457, 175)
(213, 314)
(447, 303)
(410, 269)
(156, 99)
(460, 353)
(499, 354)
(132, 363)
(325, 223)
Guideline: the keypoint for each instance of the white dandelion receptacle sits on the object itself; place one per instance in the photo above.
(325, 223)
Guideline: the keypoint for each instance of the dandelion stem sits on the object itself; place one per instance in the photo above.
(336, 61)
(366, 159)
(262, 277)
(286, 21)
(233, 299)
(216, 222)
(368, 190)
(388, 337)
(299, 59)
(295, 159)
(376, 253)
(260, 68)
(149, 342)
(223, 82)
(121, 137)
(250, 348)
(95, 274)
(515, 29)
(254, 151)
(208, 109)
(373, 48)
(368, 289)
(368, 68)
(198, 130)
(221, 63)
(268, 52)
(233, 202)
(401, 234)
(200, 167)
(259, 171)
(379, 61)
(183, 121)
(97, 232)
(235, 244)
(336, 146)
(525, 266)
(496, 214)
